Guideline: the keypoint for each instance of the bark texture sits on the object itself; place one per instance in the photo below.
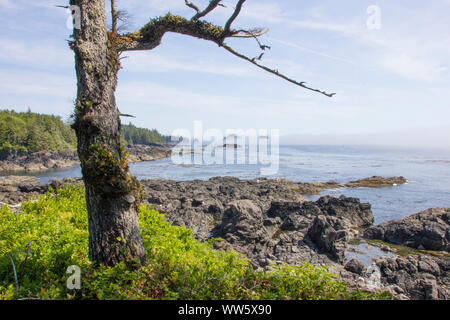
(113, 195)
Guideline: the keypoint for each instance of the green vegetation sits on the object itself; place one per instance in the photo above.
(55, 230)
(134, 135)
(34, 132)
(27, 131)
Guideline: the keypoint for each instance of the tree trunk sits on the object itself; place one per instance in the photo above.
(113, 195)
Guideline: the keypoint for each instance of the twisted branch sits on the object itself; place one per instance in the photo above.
(150, 36)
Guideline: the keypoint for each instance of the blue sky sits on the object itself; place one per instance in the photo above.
(391, 80)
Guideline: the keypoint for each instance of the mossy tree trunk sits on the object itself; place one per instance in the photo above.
(113, 195)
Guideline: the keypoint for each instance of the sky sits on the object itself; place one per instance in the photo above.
(391, 78)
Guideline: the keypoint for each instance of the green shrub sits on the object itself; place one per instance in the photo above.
(55, 230)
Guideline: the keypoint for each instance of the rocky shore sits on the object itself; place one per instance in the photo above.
(38, 161)
(41, 161)
(272, 222)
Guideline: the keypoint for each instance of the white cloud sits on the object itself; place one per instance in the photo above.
(37, 84)
(145, 92)
(154, 62)
(412, 68)
(42, 54)
(8, 4)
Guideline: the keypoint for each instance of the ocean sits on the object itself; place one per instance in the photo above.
(427, 171)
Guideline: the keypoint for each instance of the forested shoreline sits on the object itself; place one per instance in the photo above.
(34, 132)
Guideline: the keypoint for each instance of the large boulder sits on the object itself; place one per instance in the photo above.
(357, 213)
(243, 223)
(429, 229)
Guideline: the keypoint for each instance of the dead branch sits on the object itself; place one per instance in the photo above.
(212, 5)
(192, 6)
(255, 34)
(275, 72)
(114, 16)
(233, 17)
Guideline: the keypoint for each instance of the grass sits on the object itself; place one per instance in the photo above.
(51, 234)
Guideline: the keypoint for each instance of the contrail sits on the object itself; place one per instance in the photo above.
(296, 46)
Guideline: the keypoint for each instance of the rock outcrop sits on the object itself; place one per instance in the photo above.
(376, 182)
(139, 153)
(429, 230)
(16, 189)
(267, 220)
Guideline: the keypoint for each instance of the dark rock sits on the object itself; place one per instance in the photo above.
(356, 267)
(357, 213)
(428, 230)
(330, 236)
(243, 220)
(420, 277)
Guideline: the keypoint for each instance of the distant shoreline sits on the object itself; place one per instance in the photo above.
(39, 162)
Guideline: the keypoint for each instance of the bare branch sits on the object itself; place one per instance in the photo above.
(255, 33)
(126, 115)
(125, 18)
(275, 72)
(212, 5)
(114, 16)
(191, 5)
(233, 17)
(150, 36)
